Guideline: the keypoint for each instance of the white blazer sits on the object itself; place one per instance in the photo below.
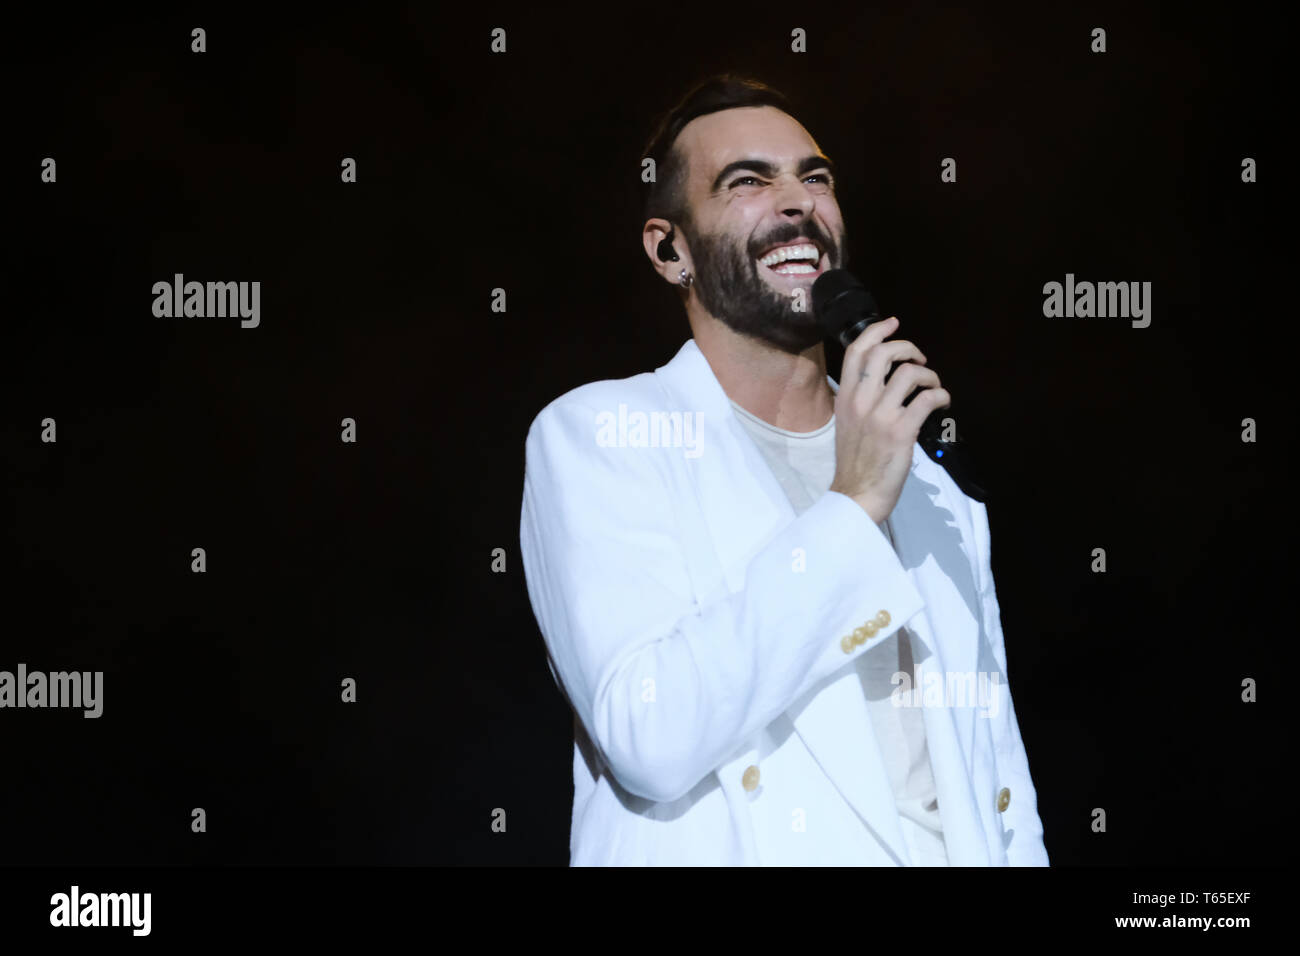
(702, 635)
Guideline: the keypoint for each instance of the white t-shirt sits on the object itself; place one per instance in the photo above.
(804, 465)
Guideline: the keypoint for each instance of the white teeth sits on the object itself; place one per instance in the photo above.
(806, 251)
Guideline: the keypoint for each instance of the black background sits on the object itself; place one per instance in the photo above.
(522, 171)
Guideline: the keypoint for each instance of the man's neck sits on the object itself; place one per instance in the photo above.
(788, 391)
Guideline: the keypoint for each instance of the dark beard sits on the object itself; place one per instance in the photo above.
(730, 288)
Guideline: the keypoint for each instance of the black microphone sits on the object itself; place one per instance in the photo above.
(844, 308)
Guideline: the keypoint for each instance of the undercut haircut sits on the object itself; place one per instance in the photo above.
(666, 198)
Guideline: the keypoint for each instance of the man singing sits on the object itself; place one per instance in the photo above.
(772, 614)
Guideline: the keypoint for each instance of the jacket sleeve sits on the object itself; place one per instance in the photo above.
(1021, 816)
(668, 687)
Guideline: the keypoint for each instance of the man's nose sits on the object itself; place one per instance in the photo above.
(793, 196)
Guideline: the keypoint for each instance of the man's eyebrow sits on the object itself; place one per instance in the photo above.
(764, 168)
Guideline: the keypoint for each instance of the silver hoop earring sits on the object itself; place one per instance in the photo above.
(685, 279)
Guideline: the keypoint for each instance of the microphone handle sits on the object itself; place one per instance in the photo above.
(953, 456)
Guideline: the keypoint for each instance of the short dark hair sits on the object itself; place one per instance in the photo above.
(667, 196)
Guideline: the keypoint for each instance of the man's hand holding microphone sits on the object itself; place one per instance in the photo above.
(874, 430)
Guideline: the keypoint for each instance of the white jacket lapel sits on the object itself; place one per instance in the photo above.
(742, 502)
(743, 507)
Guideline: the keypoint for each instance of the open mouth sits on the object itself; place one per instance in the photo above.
(801, 260)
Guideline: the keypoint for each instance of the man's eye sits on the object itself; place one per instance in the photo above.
(824, 177)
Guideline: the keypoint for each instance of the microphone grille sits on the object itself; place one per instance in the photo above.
(839, 300)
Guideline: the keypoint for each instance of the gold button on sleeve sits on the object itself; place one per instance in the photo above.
(750, 780)
(846, 643)
(882, 618)
(1004, 799)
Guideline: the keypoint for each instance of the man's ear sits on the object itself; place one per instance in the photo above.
(665, 248)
